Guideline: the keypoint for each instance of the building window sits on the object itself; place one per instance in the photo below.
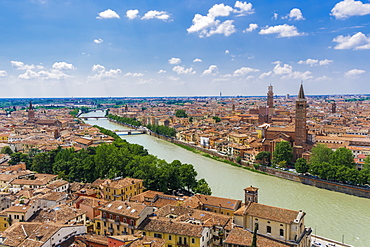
(180, 240)
(157, 235)
(268, 230)
(169, 237)
(193, 241)
(281, 232)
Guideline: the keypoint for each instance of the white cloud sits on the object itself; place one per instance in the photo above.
(53, 74)
(154, 14)
(309, 61)
(21, 66)
(354, 72)
(295, 14)
(174, 60)
(97, 67)
(227, 52)
(251, 27)
(29, 74)
(162, 71)
(132, 13)
(244, 8)
(281, 70)
(298, 75)
(134, 74)
(219, 10)
(208, 25)
(63, 66)
(265, 75)
(313, 62)
(197, 60)
(275, 16)
(3, 73)
(244, 70)
(282, 31)
(212, 70)
(348, 8)
(286, 71)
(98, 41)
(106, 74)
(226, 28)
(181, 70)
(108, 14)
(325, 62)
(358, 41)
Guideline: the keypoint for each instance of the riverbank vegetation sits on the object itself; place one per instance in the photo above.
(125, 120)
(119, 159)
(158, 129)
(337, 166)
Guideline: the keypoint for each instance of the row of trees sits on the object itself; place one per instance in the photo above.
(125, 120)
(119, 159)
(159, 129)
(162, 130)
(324, 163)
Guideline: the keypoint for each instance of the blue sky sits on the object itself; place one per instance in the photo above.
(53, 48)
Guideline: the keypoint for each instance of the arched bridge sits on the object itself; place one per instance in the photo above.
(130, 131)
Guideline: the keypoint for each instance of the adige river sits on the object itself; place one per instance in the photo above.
(330, 214)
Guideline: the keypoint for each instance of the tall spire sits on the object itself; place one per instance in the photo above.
(30, 108)
(301, 92)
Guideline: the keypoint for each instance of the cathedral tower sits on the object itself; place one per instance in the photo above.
(300, 118)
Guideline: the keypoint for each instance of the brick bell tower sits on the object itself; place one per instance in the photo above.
(300, 118)
(270, 100)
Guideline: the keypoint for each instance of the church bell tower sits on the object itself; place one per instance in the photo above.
(300, 118)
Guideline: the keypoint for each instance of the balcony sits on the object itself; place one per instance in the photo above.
(110, 229)
(104, 218)
(117, 222)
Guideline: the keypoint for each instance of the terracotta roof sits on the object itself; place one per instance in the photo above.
(60, 214)
(121, 183)
(135, 241)
(145, 196)
(242, 237)
(168, 226)
(214, 201)
(130, 209)
(270, 213)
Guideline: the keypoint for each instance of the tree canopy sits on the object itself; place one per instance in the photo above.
(337, 166)
(119, 159)
(301, 165)
(283, 152)
(181, 113)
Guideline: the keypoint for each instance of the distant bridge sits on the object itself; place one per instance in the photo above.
(130, 131)
(87, 118)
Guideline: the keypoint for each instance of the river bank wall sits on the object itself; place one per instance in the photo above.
(307, 180)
